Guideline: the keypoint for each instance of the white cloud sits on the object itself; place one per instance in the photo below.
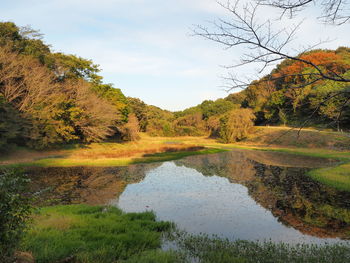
(144, 45)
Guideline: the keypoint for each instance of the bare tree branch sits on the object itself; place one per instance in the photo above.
(264, 45)
(332, 11)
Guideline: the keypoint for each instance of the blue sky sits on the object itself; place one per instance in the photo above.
(145, 47)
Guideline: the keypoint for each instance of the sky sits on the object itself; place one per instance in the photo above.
(146, 47)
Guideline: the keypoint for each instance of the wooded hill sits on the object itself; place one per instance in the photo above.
(49, 98)
(283, 97)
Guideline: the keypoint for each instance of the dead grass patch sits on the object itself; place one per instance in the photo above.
(61, 222)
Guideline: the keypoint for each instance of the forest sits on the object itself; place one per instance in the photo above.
(49, 99)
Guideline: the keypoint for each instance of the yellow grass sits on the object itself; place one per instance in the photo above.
(60, 222)
(310, 142)
(147, 149)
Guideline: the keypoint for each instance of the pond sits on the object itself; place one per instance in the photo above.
(250, 195)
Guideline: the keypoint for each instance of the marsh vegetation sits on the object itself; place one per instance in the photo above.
(255, 203)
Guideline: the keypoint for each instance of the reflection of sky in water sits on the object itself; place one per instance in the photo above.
(210, 205)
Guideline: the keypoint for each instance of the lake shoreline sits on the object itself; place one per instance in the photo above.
(238, 251)
(159, 149)
(80, 246)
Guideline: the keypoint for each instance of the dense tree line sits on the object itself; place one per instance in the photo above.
(221, 118)
(286, 96)
(49, 98)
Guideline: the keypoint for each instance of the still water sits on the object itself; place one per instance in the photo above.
(236, 195)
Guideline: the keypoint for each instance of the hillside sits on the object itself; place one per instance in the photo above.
(49, 99)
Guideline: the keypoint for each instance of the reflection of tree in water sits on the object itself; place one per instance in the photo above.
(90, 185)
(287, 192)
(232, 165)
(299, 201)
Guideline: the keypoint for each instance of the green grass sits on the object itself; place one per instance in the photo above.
(158, 256)
(93, 234)
(207, 250)
(96, 234)
(337, 177)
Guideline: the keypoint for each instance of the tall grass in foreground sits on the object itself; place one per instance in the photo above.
(87, 234)
(80, 233)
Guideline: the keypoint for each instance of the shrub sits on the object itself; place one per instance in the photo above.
(236, 125)
(130, 131)
(15, 210)
(190, 125)
(213, 125)
(159, 127)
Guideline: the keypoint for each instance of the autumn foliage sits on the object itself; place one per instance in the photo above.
(50, 98)
(294, 94)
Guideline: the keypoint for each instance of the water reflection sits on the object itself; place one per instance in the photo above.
(291, 196)
(239, 195)
(89, 185)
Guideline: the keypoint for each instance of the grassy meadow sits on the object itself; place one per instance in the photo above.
(147, 149)
(309, 142)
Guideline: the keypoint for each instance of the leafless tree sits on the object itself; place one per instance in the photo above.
(266, 45)
(97, 117)
(24, 82)
(332, 11)
(130, 131)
